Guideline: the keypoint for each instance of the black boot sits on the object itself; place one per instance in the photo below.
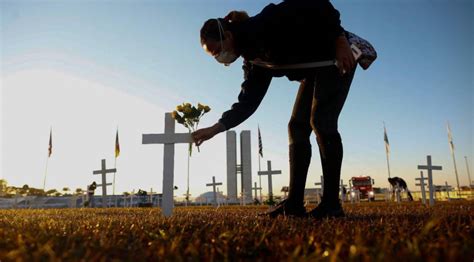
(300, 158)
(286, 208)
(330, 148)
(324, 210)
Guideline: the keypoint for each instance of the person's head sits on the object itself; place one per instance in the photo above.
(218, 40)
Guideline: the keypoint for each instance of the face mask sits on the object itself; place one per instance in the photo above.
(224, 57)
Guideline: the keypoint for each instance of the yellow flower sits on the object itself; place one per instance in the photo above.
(179, 108)
(187, 110)
(207, 109)
(174, 115)
(200, 107)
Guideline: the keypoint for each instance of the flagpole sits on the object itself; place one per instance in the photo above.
(450, 140)
(187, 186)
(115, 167)
(50, 150)
(468, 173)
(259, 157)
(260, 178)
(386, 151)
(45, 173)
(456, 172)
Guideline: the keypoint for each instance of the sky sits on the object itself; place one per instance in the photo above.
(86, 68)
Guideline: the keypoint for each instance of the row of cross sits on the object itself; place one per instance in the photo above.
(169, 138)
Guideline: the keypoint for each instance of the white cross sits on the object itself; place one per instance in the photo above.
(103, 171)
(321, 184)
(255, 188)
(269, 173)
(187, 195)
(422, 186)
(430, 169)
(214, 184)
(447, 189)
(169, 138)
(242, 198)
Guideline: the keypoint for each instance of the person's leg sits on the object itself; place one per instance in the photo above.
(330, 93)
(299, 132)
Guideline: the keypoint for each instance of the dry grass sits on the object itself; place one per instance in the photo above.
(370, 232)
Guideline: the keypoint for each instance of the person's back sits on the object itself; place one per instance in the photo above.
(290, 32)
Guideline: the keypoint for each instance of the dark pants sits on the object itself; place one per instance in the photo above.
(317, 107)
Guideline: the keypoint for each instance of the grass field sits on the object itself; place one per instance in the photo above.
(370, 232)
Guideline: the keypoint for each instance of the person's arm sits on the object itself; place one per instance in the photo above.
(255, 86)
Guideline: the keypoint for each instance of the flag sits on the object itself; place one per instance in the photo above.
(385, 138)
(450, 139)
(117, 145)
(50, 147)
(260, 147)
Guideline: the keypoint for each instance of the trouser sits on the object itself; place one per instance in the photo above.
(317, 107)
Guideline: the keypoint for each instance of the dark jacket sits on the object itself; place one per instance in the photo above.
(295, 31)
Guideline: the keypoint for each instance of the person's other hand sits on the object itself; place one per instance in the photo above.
(344, 57)
(204, 134)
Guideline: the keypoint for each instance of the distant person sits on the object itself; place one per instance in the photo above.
(272, 43)
(398, 184)
(344, 193)
(90, 194)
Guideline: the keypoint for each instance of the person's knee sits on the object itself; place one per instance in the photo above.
(326, 132)
(298, 132)
(324, 128)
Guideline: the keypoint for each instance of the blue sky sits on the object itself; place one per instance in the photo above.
(127, 62)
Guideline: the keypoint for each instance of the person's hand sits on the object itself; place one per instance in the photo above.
(344, 57)
(204, 134)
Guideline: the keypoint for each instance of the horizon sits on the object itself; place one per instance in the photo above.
(85, 69)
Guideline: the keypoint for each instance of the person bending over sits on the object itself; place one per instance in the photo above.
(281, 35)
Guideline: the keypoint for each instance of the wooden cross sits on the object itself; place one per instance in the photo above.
(169, 138)
(430, 169)
(269, 173)
(214, 184)
(103, 171)
(422, 186)
(255, 188)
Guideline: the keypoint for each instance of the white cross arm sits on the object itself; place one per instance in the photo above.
(98, 172)
(217, 184)
(167, 138)
(431, 167)
(273, 172)
(419, 178)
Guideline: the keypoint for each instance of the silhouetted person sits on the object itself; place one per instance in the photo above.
(90, 194)
(399, 184)
(289, 33)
